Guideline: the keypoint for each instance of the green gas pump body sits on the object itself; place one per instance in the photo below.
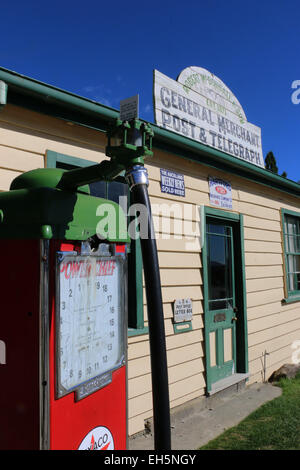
(53, 241)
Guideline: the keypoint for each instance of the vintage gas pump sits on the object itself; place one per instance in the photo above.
(63, 306)
(64, 382)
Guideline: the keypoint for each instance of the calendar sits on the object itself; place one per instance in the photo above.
(90, 319)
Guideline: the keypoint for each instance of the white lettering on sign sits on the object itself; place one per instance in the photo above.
(200, 106)
(172, 183)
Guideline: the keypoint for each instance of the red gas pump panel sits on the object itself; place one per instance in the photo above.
(87, 364)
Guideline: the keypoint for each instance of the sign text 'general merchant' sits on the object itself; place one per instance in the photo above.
(200, 106)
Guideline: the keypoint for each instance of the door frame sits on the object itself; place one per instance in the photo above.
(237, 221)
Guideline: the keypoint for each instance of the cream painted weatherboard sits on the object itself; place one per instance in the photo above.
(25, 136)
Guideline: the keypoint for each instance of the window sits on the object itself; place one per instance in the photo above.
(291, 235)
(219, 266)
(113, 190)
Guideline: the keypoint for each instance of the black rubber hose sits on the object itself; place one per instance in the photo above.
(157, 339)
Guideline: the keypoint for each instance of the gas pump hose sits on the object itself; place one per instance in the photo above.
(138, 182)
(137, 179)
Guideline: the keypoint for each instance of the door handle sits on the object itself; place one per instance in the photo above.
(234, 319)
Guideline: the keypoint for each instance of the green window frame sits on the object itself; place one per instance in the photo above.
(135, 265)
(291, 243)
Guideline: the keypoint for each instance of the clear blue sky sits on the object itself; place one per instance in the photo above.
(106, 51)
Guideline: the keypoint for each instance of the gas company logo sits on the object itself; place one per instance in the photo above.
(99, 438)
(220, 190)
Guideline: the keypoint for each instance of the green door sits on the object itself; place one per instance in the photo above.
(221, 302)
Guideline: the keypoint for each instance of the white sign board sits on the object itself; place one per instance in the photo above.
(183, 310)
(89, 319)
(200, 106)
(129, 108)
(220, 194)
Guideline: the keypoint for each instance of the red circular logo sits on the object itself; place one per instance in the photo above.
(221, 190)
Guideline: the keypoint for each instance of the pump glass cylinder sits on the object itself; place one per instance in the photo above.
(90, 318)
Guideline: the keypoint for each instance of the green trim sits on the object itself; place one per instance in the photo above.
(291, 296)
(241, 330)
(243, 366)
(3, 94)
(221, 214)
(135, 287)
(53, 96)
(138, 331)
(32, 94)
(291, 299)
(53, 157)
(182, 327)
(288, 212)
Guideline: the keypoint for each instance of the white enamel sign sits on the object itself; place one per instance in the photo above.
(200, 106)
(129, 108)
(183, 310)
(89, 319)
(220, 194)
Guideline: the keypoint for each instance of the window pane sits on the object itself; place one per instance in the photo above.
(296, 263)
(219, 271)
(220, 304)
(293, 266)
(98, 189)
(116, 189)
(297, 243)
(291, 226)
(215, 228)
(297, 281)
(291, 245)
(290, 267)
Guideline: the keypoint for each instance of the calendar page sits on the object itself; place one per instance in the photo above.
(90, 318)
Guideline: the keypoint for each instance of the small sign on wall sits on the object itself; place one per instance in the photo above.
(172, 183)
(129, 108)
(183, 310)
(220, 194)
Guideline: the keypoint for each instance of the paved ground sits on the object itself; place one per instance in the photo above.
(203, 419)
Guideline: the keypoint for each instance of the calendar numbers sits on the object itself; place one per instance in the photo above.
(90, 319)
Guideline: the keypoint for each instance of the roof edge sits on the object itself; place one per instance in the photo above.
(184, 146)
